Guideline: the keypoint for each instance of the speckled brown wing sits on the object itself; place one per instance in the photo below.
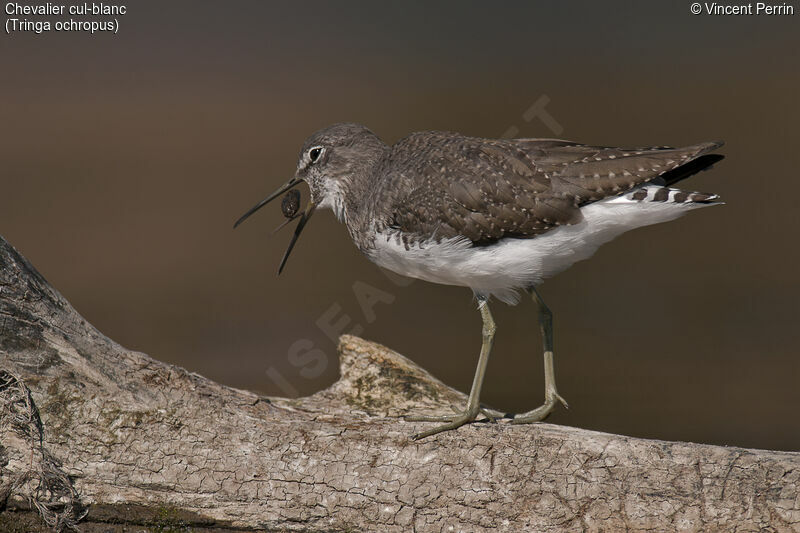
(592, 173)
(485, 190)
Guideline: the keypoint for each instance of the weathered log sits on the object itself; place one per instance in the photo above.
(103, 437)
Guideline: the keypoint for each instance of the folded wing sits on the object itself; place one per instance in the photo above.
(486, 190)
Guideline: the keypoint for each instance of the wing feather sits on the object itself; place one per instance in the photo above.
(485, 190)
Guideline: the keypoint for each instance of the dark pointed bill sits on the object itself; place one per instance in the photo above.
(300, 225)
(285, 223)
(283, 188)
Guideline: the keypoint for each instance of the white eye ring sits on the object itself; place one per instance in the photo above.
(314, 153)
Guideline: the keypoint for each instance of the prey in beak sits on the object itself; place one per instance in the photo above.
(289, 207)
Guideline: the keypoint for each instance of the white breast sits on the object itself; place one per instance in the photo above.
(503, 268)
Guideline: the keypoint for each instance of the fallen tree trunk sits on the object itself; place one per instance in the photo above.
(103, 437)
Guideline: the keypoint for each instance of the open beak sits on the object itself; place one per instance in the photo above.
(285, 223)
(300, 225)
(282, 189)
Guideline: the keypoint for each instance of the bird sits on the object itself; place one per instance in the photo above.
(498, 216)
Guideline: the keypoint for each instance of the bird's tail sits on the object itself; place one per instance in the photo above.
(657, 193)
(704, 162)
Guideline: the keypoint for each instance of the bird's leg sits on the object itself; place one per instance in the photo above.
(473, 403)
(551, 396)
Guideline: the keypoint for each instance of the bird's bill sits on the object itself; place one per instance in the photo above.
(300, 225)
(282, 189)
(285, 223)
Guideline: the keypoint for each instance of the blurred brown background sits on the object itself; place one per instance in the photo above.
(126, 159)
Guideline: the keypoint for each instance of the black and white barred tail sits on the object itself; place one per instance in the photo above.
(657, 193)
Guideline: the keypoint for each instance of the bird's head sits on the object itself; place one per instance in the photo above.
(332, 159)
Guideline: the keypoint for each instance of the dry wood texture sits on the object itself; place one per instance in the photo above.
(111, 440)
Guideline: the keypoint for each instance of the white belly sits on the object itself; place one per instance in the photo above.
(504, 268)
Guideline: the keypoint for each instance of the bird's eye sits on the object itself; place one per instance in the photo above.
(314, 153)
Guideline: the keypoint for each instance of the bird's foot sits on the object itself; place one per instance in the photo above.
(543, 411)
(453, 421)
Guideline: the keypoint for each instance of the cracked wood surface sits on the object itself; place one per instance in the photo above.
(143, 441)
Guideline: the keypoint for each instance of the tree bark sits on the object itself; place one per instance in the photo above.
(97, 437)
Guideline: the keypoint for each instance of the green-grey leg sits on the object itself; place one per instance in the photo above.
(551, 396)
(473, 403)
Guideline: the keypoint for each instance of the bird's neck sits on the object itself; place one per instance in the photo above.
(350, 199)
(353, 198)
